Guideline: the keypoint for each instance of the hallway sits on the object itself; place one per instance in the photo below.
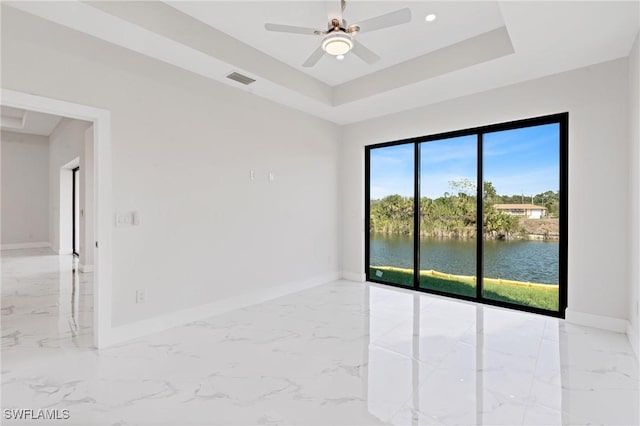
(46, 305)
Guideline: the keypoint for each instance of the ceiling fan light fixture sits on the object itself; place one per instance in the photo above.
(337, 44)
(338, 36)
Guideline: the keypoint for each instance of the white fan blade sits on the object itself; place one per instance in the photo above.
(292, 29)
(364, 53)
(314, 58)
(391, 19)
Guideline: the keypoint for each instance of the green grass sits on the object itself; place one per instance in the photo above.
(544, 298)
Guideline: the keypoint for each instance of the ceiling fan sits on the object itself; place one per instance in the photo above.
(339, 37)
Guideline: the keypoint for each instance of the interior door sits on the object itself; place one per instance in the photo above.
(76, 211)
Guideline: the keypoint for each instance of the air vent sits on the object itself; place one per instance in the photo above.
(240, 78)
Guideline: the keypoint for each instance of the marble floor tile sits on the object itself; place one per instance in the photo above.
(342, 353)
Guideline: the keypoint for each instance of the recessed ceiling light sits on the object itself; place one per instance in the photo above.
(430, 17)
(340, 57)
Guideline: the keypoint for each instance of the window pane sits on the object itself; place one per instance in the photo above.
(521, 170)
(448, 175)
(391, 214)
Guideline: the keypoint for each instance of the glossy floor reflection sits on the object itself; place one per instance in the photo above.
(46, 304)
(340, 353)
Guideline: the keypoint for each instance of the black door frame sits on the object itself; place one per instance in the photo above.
(75, 177)
(562, 119)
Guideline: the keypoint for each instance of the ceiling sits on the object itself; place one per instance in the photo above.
(471, 47)
(30, 122)
(457, 22)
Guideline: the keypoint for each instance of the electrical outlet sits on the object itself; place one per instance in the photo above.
(141, 296)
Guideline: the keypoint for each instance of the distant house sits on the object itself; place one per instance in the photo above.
(529, 210)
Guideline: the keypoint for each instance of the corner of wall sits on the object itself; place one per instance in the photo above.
(633, 326)
(632, 335)
(618, 325)
(354, 276)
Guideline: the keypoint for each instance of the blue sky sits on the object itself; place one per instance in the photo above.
(521, 161)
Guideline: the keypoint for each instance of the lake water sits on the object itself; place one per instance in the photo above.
(532, 261)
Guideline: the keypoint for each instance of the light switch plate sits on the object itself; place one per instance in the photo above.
(127, 218)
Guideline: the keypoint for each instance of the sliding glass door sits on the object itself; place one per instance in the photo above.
(391, 214)
(432, 227)
(521, 169)
(448, 215)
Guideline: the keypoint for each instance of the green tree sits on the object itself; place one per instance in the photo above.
(453, 215)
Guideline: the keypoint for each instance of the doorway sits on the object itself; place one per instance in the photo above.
(101, 184)
(75, 211)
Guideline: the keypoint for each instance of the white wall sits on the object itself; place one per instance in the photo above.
(634, 167)
(66, 147)
(182, 149)
(25, 188)
(596, 100)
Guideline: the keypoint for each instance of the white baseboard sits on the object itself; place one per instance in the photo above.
(353, 276)
(19, 246)
(633, 339)
(156, 324)
(618, 325)
(85, 268)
